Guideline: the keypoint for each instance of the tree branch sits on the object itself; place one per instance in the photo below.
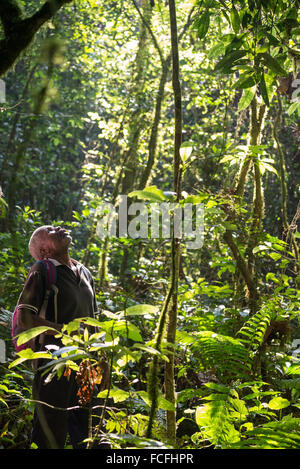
(10, 14)
(20, 32)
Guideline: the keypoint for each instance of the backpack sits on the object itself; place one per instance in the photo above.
(51, 277)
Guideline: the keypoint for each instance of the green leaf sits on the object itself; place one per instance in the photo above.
(217, 387)
(151, 193)
(268, 167)
(246, 99)
(229, 60)
(263, 90)
(246, 80)
(3, 402)
(261, 247)
(146, 348)
(272, 40)
(134, 333)
(273, 64)
(278, 403)
(139, 310)
(164, 404)
(31, 333)
(29, 354)
(145, 397)
(275, 256)
(202, 24)
(235, 20)
(216, 50)
(227, 158)
(118, 395)
(90, 322)
(123, 328)
(3, 206)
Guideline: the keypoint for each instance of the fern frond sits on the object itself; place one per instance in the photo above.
(215, 421)
(253, 331)
(288, 384)
(225, 355)
(283, 434)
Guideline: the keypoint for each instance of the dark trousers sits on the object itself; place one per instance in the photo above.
(50, 425)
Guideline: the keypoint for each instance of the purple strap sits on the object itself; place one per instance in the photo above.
(50, 273)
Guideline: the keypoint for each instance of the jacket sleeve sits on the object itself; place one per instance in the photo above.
(31, 298)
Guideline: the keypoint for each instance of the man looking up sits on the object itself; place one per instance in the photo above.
(75, 298)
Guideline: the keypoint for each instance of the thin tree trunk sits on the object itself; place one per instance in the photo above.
(168, 316)
(146, 175)
(257, 120)
(245, 264)
(172, 312)
(136, 122)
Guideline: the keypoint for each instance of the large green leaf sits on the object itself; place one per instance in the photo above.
(118, 395)
(235, 20)
(229, 60)
(273, 64)
(151, 193)
(139, 310)
(246, 80)
(246, 99)
(26, 336)
(29, 354)
(202, 24)
(278, 403)
(123, 328)
(163, 403)
(264, 91)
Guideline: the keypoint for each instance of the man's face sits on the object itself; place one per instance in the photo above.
(53, 239)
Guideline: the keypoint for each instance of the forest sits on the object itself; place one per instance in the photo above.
(164, 136)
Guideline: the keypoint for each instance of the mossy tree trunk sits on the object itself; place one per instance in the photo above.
(246, 262)
(137, 116)
(172, 312)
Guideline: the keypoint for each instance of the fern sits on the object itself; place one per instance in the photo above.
(288, 384)
(222, 421)
(224, 355)
(215, 420)
(254, 329)
(283, 434)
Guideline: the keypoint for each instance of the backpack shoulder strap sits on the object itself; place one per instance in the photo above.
(51, 274)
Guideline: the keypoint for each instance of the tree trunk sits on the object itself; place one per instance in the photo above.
(136, 121)
(245, 264)
(172, 312)
(146, 175)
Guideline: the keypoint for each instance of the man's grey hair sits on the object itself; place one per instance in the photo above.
(35, 244)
